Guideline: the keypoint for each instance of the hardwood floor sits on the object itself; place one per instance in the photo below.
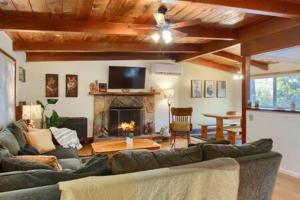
(286, 187)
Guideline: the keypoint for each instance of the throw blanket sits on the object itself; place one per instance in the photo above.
(66, 137)
(210, 180)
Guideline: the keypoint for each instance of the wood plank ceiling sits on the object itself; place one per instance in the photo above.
(78, 27)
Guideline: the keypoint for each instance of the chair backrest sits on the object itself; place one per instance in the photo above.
(182, 114)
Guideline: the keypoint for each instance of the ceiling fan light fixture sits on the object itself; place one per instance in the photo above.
(167, 36)
(155, 36)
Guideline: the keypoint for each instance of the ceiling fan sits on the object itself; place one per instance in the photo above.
(163, 30)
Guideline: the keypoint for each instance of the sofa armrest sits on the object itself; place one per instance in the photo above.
(258, 175)
(50, 192)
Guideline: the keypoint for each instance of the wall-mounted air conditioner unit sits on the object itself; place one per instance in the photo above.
(166, 69)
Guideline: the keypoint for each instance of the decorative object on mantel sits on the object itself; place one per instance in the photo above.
(51, 85)
(169, 94)
(71, 85)
(31, 113)
(196, 89)
(209, 89)
(293, 106)
(221, 89)
(257, 104)
(94, 87)
(125, 90)
(102, 87)
(49, 101)
(22, 74)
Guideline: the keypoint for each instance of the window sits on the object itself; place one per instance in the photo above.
(276, 92)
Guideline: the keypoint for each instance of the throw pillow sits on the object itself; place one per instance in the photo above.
(48, 160)
(97, 164)
(41, 140)
(28, 150)
(8, 140)
(13, 164)
(212, 151)
(22, 124)
(141, 160)
(18, 133)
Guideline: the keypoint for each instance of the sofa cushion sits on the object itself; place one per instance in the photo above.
(141, 160)
(97, 164)
(212, 151)
(41, 140)
(35, 178)
(18, 132)
(62, 153)
(70, 163)
(13, 164)
(180, 126)
(8, 140)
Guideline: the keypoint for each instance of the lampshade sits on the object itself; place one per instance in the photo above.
(31, 112)
(169, 93)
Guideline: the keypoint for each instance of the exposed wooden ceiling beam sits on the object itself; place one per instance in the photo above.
(104, 47)
(276, 41)
(215, 65)
(224, 54)
(90, 56)
(250, 32)
(14, 21)
(209, 47)
(260, 7)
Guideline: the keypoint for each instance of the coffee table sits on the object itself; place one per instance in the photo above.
(111, 147)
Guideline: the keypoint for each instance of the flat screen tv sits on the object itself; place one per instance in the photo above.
(126, 77)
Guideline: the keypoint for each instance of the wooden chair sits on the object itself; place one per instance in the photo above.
(181, 124)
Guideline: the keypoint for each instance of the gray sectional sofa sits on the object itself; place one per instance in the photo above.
(258, 168)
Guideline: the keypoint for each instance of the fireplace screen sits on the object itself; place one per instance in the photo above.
(117, 116)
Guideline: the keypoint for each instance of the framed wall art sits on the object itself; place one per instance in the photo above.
(22, 74)
(221, 89)
(71, 85)
(209, 87)
(196, 88)
(51, 85)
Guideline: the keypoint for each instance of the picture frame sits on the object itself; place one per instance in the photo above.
(196, 88)
(102, 87)
(221, 89)
(71, 85)
(209, 86)
(22, 74)
(51, 85)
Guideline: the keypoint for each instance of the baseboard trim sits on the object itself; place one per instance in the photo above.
(290, 173)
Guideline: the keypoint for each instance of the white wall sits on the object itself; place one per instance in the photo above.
(232, 102)
(284, 129)
(89, 71)
(6, 45)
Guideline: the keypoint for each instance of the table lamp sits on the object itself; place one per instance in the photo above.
(169, 94)
(31, 112)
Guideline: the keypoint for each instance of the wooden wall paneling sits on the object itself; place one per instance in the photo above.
(245, 95)
(260, 7)
(73, 56)
(7, 6)
(22, 5)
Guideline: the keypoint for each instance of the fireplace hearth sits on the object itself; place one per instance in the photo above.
(118, 115)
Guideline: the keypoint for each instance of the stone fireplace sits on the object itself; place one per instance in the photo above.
(111, 110)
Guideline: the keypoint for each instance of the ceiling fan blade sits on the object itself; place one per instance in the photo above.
(160, 19)
(178, 33)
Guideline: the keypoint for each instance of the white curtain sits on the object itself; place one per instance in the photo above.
(7, 90)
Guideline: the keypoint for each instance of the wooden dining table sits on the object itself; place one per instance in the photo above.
(220, 122)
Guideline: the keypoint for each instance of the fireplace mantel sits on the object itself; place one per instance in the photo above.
(124, 93)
